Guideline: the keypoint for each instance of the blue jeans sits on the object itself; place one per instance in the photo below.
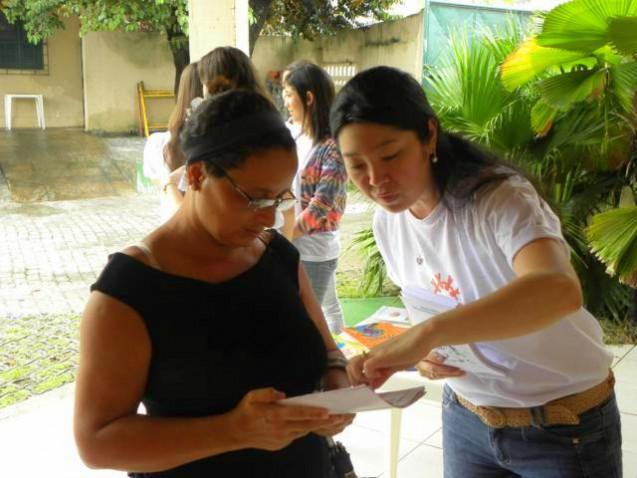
(323, 279)
(472, 449)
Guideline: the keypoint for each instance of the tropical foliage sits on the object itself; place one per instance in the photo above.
(583, 65)
(563, 110)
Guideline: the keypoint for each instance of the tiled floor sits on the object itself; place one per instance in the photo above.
(36, 438)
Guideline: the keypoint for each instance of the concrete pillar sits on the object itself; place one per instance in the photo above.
(217, 23)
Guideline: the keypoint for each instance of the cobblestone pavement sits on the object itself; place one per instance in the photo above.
(50, 253)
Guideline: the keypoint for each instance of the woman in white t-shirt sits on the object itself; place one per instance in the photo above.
(458, 223)
(163, 157)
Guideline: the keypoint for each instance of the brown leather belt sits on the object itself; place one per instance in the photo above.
(562, 411)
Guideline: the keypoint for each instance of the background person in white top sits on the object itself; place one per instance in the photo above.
(221, 69)
(163, 157)
(320, 183)
(457, 222)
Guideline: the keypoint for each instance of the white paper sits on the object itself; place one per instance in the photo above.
(357, 399)
(421, 305)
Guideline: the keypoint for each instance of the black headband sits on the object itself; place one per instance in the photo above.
(229, 136)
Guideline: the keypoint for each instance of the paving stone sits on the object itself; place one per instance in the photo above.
(50, 254)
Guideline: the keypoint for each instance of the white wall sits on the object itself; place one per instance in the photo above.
(399, 43)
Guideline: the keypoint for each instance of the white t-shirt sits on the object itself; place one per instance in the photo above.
(155, 167)
(320, 246)
(466, 254)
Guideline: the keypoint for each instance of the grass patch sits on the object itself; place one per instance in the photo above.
(13, 395)
(54, 382)
(37, 354)
(348, 286)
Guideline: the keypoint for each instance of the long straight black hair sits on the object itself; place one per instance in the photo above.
(388, 96)
(306, 77)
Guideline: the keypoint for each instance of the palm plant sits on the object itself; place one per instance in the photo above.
(562, 155)
(583, 66)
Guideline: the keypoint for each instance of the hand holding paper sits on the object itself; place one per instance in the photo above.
(357, 399)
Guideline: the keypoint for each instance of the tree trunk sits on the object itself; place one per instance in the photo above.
(261, 11)
(181, 55)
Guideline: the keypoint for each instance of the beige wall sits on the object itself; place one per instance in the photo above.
(61, 87)
(114, 62)
(398, 43)
(218, 23)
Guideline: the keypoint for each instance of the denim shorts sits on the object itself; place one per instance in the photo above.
(472, 449)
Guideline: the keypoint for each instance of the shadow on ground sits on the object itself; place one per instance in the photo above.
(61, 164)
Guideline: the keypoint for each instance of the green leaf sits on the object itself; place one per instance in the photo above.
(582, 25)
(622, 32)
(531, 59)
(613, 239)
(624, 83)
(374, 270)
(562, 91)
(542, 117)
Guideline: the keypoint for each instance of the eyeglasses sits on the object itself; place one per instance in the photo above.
(279, 203)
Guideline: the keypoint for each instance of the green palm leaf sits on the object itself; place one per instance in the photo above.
(374, 270)
(622, 34)
(562, 91)
(624, 83)
(531, 59)
(468, 94)
(613, 238)
(582, 25)
(542, 117)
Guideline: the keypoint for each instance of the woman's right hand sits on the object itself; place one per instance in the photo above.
(261, 423)
(433, 367)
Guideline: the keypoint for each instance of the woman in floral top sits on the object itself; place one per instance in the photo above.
(320, 183)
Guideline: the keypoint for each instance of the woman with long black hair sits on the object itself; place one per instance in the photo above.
(320, 182)
(457, 222)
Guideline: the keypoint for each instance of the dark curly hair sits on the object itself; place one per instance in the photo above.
(235, 107)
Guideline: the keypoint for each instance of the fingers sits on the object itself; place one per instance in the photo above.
(341, 422)
(264, 395)
(436, 370)
(435, 357)
(378, 372)
(355, 370)
(367, 369)
(278, 413)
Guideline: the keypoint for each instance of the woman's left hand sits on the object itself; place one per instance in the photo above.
(332, 379)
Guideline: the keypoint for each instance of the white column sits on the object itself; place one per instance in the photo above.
(217, 23)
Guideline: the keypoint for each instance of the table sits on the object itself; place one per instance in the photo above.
(8, 104)
(402, 380)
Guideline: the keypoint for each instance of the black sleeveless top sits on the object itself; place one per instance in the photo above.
(212, 343)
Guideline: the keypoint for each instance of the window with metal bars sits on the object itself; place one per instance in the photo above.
(16, 53)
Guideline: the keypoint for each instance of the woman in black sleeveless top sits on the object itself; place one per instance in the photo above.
(210, 321)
